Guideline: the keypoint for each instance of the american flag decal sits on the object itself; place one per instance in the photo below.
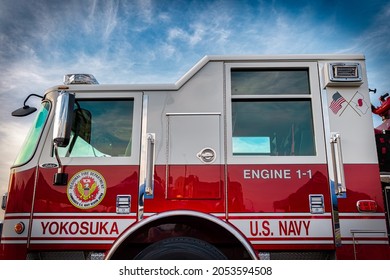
(337, 100)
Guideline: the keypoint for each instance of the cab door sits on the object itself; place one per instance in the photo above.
(277, 167)
(101, 161)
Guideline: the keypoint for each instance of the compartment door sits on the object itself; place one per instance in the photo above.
(194, 158)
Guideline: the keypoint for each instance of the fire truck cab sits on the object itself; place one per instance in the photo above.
(244, 157)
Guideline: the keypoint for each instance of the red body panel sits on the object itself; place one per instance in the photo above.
(21, 191)
(254, 199)
(202, 189)
(362, 183)
(53, 199)
(290, 194)
(364, 252)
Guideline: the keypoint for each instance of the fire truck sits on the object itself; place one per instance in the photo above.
(244, 157)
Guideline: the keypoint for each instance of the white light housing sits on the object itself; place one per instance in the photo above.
(343, 74)
(87, 79)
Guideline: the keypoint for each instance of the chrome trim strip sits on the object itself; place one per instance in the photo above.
(195, 113)
(327, 134)
(149, 175)
(143, 157)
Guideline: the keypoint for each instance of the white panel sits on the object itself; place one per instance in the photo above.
(189, 134)
(299, 228)
(349, 111)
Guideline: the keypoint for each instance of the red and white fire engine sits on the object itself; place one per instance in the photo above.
(244, 157)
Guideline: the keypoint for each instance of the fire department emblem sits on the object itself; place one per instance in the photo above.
(86, 189)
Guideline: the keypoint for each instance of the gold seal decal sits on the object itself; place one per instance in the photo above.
(86, 189)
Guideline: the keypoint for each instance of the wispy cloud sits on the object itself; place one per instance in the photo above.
(157, 41)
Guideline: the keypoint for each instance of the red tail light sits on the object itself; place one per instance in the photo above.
(367, 206)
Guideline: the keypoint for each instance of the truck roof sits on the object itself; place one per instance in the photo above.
(205, 60)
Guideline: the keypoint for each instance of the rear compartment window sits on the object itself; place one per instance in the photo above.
(270, 81)
(272, 113)
(272, 127)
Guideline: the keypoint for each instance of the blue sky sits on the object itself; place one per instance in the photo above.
(141, 41)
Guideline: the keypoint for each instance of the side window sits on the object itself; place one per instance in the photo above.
(272, 112)
(101, 128)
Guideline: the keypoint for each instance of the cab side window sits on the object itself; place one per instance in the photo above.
(101, 128)
(272, 112)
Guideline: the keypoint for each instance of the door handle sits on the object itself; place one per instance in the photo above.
(150, 138)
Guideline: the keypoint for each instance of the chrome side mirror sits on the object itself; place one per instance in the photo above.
(62, 130)
(63, 119)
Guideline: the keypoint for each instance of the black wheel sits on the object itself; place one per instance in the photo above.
(181, 248)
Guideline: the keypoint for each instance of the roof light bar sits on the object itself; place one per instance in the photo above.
(80, 79)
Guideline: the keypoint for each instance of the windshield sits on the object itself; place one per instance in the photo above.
(30, 144)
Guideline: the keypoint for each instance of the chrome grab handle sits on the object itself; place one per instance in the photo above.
(337, 162)
(150, 164)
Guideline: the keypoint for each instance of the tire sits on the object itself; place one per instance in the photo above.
(181, 248)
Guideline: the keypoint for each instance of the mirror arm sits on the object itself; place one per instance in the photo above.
(60, 167)
(32, 94)
(60, 178)
(25, 110)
